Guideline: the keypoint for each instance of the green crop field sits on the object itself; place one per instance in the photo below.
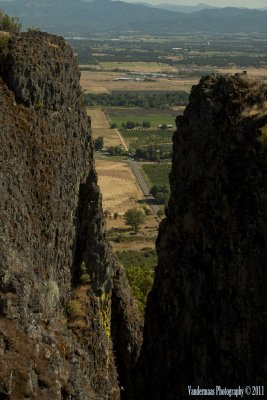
(157, 174)
(139, 137)
(120, 116)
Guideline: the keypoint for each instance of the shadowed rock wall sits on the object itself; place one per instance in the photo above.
(206, 318)
(56, 338)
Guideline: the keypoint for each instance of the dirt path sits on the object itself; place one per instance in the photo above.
(100, 127)
(123, 141)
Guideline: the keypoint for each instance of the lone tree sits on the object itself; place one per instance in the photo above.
(146, 124)
(99, 143)
(134, 218)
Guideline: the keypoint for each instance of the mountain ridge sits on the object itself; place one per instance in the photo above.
(117, 16)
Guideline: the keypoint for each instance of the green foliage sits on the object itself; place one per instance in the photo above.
(85, 279)
(4, 48)
(85, 276)
(105, 313)
(263, 137)
(116, 151)
(157, 174)
(134, 218)
(142, 99)
(74, 309)
(156, 116)
(99, 143)
(161, 193)
(139, 267)
(131, 124)
(39, 104)
(146, 124)
(9, 24)
(140, 137)
(113, 125)
(150, 153)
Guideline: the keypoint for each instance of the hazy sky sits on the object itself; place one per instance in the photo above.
(218, 3)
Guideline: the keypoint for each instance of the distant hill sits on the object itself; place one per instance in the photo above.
(183, 8)
(79, 17)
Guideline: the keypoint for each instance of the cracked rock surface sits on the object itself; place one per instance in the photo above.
(206, 318)
(57, 333)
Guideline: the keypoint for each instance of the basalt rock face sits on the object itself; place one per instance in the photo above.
(206, 318)
(56, 268)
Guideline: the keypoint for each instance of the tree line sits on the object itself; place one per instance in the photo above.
(143, 100)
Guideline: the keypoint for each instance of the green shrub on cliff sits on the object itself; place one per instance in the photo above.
(85, 276)
(74, 309)
(139, 267)
(9, 24)
(4, 50)
(263, 137)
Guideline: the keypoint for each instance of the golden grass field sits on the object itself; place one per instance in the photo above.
(120, 191)
(102, 82)
(146, 238)
(100, 127)
(118, 186)
(257, 73)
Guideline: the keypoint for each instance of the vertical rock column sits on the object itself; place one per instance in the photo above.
(206, 318)
(56, 333)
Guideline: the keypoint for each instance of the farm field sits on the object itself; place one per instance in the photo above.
(103, 82)
(156, 117)
(97, 82)
(156, 174)
(122, 238)
(257, 73)
(121, 192)
(118, 186)
(100, 127)
(139, 137)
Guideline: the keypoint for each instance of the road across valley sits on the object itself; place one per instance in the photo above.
(112, 137)
(139, 177)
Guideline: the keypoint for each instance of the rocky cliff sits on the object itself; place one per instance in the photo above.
(206, 318)
(63, 298)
